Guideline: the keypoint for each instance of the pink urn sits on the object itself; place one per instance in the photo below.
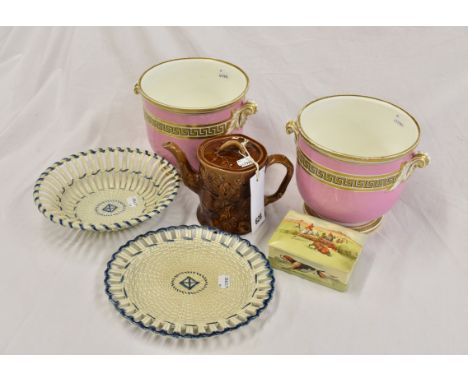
(354, 155)
(187, 100)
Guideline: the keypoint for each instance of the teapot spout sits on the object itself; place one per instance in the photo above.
(190, 177)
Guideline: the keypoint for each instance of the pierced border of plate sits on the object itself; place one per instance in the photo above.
(191, 336)
(65, 222)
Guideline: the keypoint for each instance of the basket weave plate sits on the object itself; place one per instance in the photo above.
(189, 281)
(106, 189)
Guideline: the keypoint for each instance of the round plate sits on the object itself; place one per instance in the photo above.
(189, 281)
(106, 189)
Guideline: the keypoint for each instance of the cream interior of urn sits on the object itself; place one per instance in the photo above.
(194, 83)
(359, 126)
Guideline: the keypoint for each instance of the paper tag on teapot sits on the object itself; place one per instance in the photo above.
(257, 202)
(244, 162)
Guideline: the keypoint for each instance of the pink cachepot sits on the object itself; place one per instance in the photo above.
(354, 155)
(187, 100)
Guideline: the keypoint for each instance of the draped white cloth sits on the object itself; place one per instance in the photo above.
(64, 90)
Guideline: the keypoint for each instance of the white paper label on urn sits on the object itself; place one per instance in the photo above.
(132, 201)
(257, 196)
(224, 281)
(244, 162)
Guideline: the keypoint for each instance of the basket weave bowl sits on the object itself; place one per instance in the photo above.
(106, 189)
(189, 281)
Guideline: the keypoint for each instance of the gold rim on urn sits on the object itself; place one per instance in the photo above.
(138, 89)
(296, 128)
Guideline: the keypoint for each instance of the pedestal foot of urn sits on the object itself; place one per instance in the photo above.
(364, 228)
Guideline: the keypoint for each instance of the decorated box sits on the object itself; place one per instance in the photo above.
(315, 249)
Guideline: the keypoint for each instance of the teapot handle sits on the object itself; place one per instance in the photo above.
(281, 159)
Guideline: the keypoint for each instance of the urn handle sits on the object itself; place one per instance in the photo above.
(419, 160)
(281, 159)
(239, 117)
(292, 127)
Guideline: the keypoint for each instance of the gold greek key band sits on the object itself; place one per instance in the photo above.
(187, 132)
(358, 183)
(237, 121)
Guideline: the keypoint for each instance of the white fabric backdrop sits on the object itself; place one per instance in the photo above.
(64, 90)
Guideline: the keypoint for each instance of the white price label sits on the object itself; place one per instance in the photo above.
(223, 281)
(257, 202)
(244, 162)
(132, 201)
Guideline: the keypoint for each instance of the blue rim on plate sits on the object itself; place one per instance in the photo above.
(119, 267)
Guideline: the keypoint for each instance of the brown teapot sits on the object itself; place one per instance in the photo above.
(223, 184)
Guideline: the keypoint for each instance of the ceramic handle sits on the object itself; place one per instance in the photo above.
(419, 160)
(292, 127)
(281, 159)
(239, 117)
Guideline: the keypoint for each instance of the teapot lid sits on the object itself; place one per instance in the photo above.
(235, 152)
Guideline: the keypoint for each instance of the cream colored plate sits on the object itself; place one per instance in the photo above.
(189, 281)
(106, 189)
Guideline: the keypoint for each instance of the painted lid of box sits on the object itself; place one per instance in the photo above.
(303, 244)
